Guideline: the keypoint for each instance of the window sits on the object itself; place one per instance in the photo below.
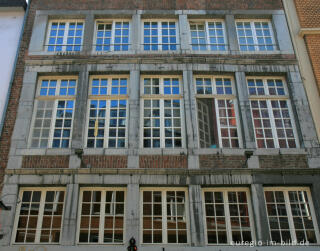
(228, 215)
(271, 113)
(101, 215)
(112, 35)
(162, 111)
(255, 35)
(291, 215)
(53, 112)
(208, 35)
(164, 215)
(39, 215)
(107, 112)
(160, 35)
(65, 35)
(217, 112)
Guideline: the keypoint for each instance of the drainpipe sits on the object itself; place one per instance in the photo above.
(14, 69)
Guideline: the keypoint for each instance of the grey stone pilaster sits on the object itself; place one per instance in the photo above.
(196, 216)
(132, 221)
(316, 199)
(184, 33)
(69, 223)
(80, 109)
(245, 113)
(282, 34)
(79, 121)
(88, 33)
(190, 106)
(37, 42)
(23, 121)
(231, 33)
(260, 213)
(304, 122)
(9, 197)
(135, 33)
(134, 119)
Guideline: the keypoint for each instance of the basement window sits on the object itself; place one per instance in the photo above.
(217, 112)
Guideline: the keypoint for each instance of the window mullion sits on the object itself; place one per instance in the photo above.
(218, 123)
(207, 35)
(65, 36)
(102, 216)
(227, 216)
(160, 35)
(273, 125)
(113, 33)
(53, 121)
(40, 217)
(254, 36)
(164, 217)
(290, 217)
(107, 124)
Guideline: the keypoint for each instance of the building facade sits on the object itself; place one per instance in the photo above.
(11, 20)
(304, 25)
(182, 124)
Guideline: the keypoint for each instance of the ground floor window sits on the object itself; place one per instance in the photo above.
(228, 215)
(101, 215)
(39, 215)
(291, 215)
(164, 215)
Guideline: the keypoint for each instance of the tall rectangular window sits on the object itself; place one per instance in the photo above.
(228, 215)
(218, 123)
(107, 112)
(255, 35)
(113, 35)
(65, 35)
(39, 216)
(208, 35)
(162, 112)
(164, 215)
(271, 113)
(291, 215)
(160, 35)
(53, 112)
(101, 215)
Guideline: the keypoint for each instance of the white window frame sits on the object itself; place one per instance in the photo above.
(108, 98)
(161, 97)
(112, 44)
(206, 22)
(102, 214)
(43, 191)
(268, 98)
(225, 191)
(164, 214)
(254, 35)
(286, 191)
(65, 36)
(55, 98)
(217, 97)
(159, 28)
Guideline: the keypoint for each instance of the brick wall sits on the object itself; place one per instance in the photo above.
(157, 5)
(308, 12)
(98, 161)
(283, 161)
(39, 161)
(159, 161)
(221, 161)
(313, 46)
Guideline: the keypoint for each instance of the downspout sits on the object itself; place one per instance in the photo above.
(14, 69)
